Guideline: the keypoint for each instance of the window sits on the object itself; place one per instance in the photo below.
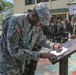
(38, 1)
(27, 2)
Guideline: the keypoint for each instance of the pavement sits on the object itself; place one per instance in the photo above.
(45, 67)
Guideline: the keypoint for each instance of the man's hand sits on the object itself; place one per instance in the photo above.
(73, 36)
(48, 55)
(57, 46)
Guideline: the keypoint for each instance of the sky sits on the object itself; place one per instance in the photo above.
(10, 1)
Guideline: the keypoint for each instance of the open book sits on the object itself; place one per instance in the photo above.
(60, 52)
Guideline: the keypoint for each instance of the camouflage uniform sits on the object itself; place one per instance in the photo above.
(74, 28)
(53, 31)
(17, 42)
(59, 33)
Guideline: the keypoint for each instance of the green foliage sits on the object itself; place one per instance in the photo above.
(8, 5)
(4, 10)
(2, 5)
(9, 9)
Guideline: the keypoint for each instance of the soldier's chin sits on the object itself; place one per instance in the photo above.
(32, 23)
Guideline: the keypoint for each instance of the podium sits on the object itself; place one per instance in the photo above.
(63, 58)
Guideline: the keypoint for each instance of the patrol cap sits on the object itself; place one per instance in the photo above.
(43, 13)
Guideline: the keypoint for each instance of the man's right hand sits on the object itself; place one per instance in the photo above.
(48, 55)
(73, 36)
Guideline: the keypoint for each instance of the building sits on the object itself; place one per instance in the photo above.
(72, 8)
(58, 8)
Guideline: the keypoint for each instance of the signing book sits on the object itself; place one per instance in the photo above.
(57, 53)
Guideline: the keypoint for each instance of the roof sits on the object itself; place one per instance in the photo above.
(71, 2)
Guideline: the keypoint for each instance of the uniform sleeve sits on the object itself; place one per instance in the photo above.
(42, 41)
(13, 45)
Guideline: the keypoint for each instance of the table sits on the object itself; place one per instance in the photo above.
(63, 59)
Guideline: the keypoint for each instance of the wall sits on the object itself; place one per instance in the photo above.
(19, 6)
(59, 4)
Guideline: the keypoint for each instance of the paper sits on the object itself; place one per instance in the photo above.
(59, 53)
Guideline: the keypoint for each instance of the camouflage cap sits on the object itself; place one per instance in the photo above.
(43, 13)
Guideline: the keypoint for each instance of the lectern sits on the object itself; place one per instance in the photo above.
(63, 58)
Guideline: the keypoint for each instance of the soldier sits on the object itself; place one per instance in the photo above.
(52, 31)
(60, 30)
(73, 36)
(19, 35)
(65, 30)
(74, 28)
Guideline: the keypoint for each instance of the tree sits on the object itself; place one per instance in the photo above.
(2, 5)
(6, 9)
(9, 9)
